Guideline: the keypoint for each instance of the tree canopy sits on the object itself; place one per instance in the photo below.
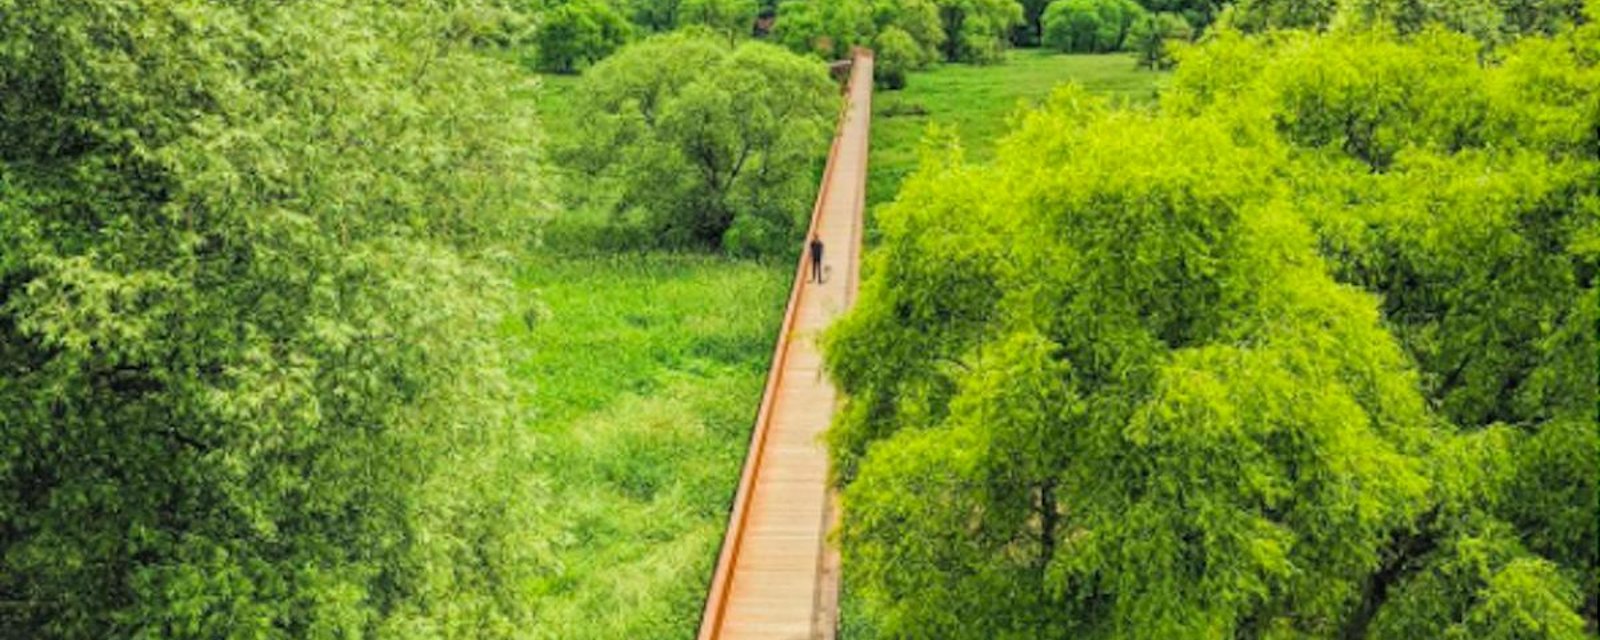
(1309, 352)
(705, 144)
(1091, 26)
(246, 382)
(578, 34)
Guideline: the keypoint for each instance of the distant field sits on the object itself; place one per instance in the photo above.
(978, 101)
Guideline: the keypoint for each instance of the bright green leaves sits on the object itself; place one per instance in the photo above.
(1308, 354)
(708, 145)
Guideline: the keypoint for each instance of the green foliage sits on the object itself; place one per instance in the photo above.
(977, 31)
(580, 33)
(1309, 354)
(1491, 22)
(654, 16)
(1482, 584)
(830, 28)
(824, 28)
(1153, 36)
(918, 19)
(248, 386)
(1198, 13)
(1090, 26)
(952, 30)
(895, 54)
(703, 144)
(730, 18)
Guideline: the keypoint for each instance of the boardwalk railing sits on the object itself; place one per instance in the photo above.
(721, 581)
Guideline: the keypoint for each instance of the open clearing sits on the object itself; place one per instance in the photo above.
(977, 101)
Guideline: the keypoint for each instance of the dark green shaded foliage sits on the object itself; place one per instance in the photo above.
(578, 34)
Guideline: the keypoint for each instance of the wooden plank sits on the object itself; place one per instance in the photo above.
(776, 576)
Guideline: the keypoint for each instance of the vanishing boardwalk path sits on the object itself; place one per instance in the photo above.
(776, 577)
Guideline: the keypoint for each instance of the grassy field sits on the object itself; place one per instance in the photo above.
(978, 102)
(643, 378)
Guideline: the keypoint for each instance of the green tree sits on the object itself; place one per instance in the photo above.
(918, 19)
(655, 16)
(977, 31)
(578, 34)
(708, 144)
(1090, 26)
(248, 387)
(1490, 21)
(1308, 353)
(824, 28)
(731, 18)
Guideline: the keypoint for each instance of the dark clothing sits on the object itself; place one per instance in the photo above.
(816, 260)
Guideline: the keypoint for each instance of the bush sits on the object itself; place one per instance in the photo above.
(1090, 26)
(709, 144)
(578, 34)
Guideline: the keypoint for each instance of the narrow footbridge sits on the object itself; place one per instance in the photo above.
(776, 576)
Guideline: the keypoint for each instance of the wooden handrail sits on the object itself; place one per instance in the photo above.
(722, 577)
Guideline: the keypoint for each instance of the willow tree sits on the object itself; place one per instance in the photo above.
(1309, 353)
(246, 383)
(706, 143)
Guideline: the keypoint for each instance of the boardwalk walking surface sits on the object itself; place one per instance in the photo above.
(776, 577)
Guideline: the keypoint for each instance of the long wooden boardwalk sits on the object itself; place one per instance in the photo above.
(776, 577)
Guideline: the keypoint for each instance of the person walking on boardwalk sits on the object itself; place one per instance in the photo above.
(816, 258)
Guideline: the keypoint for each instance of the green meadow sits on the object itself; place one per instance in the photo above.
(976, 101)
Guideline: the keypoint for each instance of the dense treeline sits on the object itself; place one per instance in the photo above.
(572, 34)
(1308, 353)
(248, 384)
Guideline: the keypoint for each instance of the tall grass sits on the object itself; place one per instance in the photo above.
(642, 378)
